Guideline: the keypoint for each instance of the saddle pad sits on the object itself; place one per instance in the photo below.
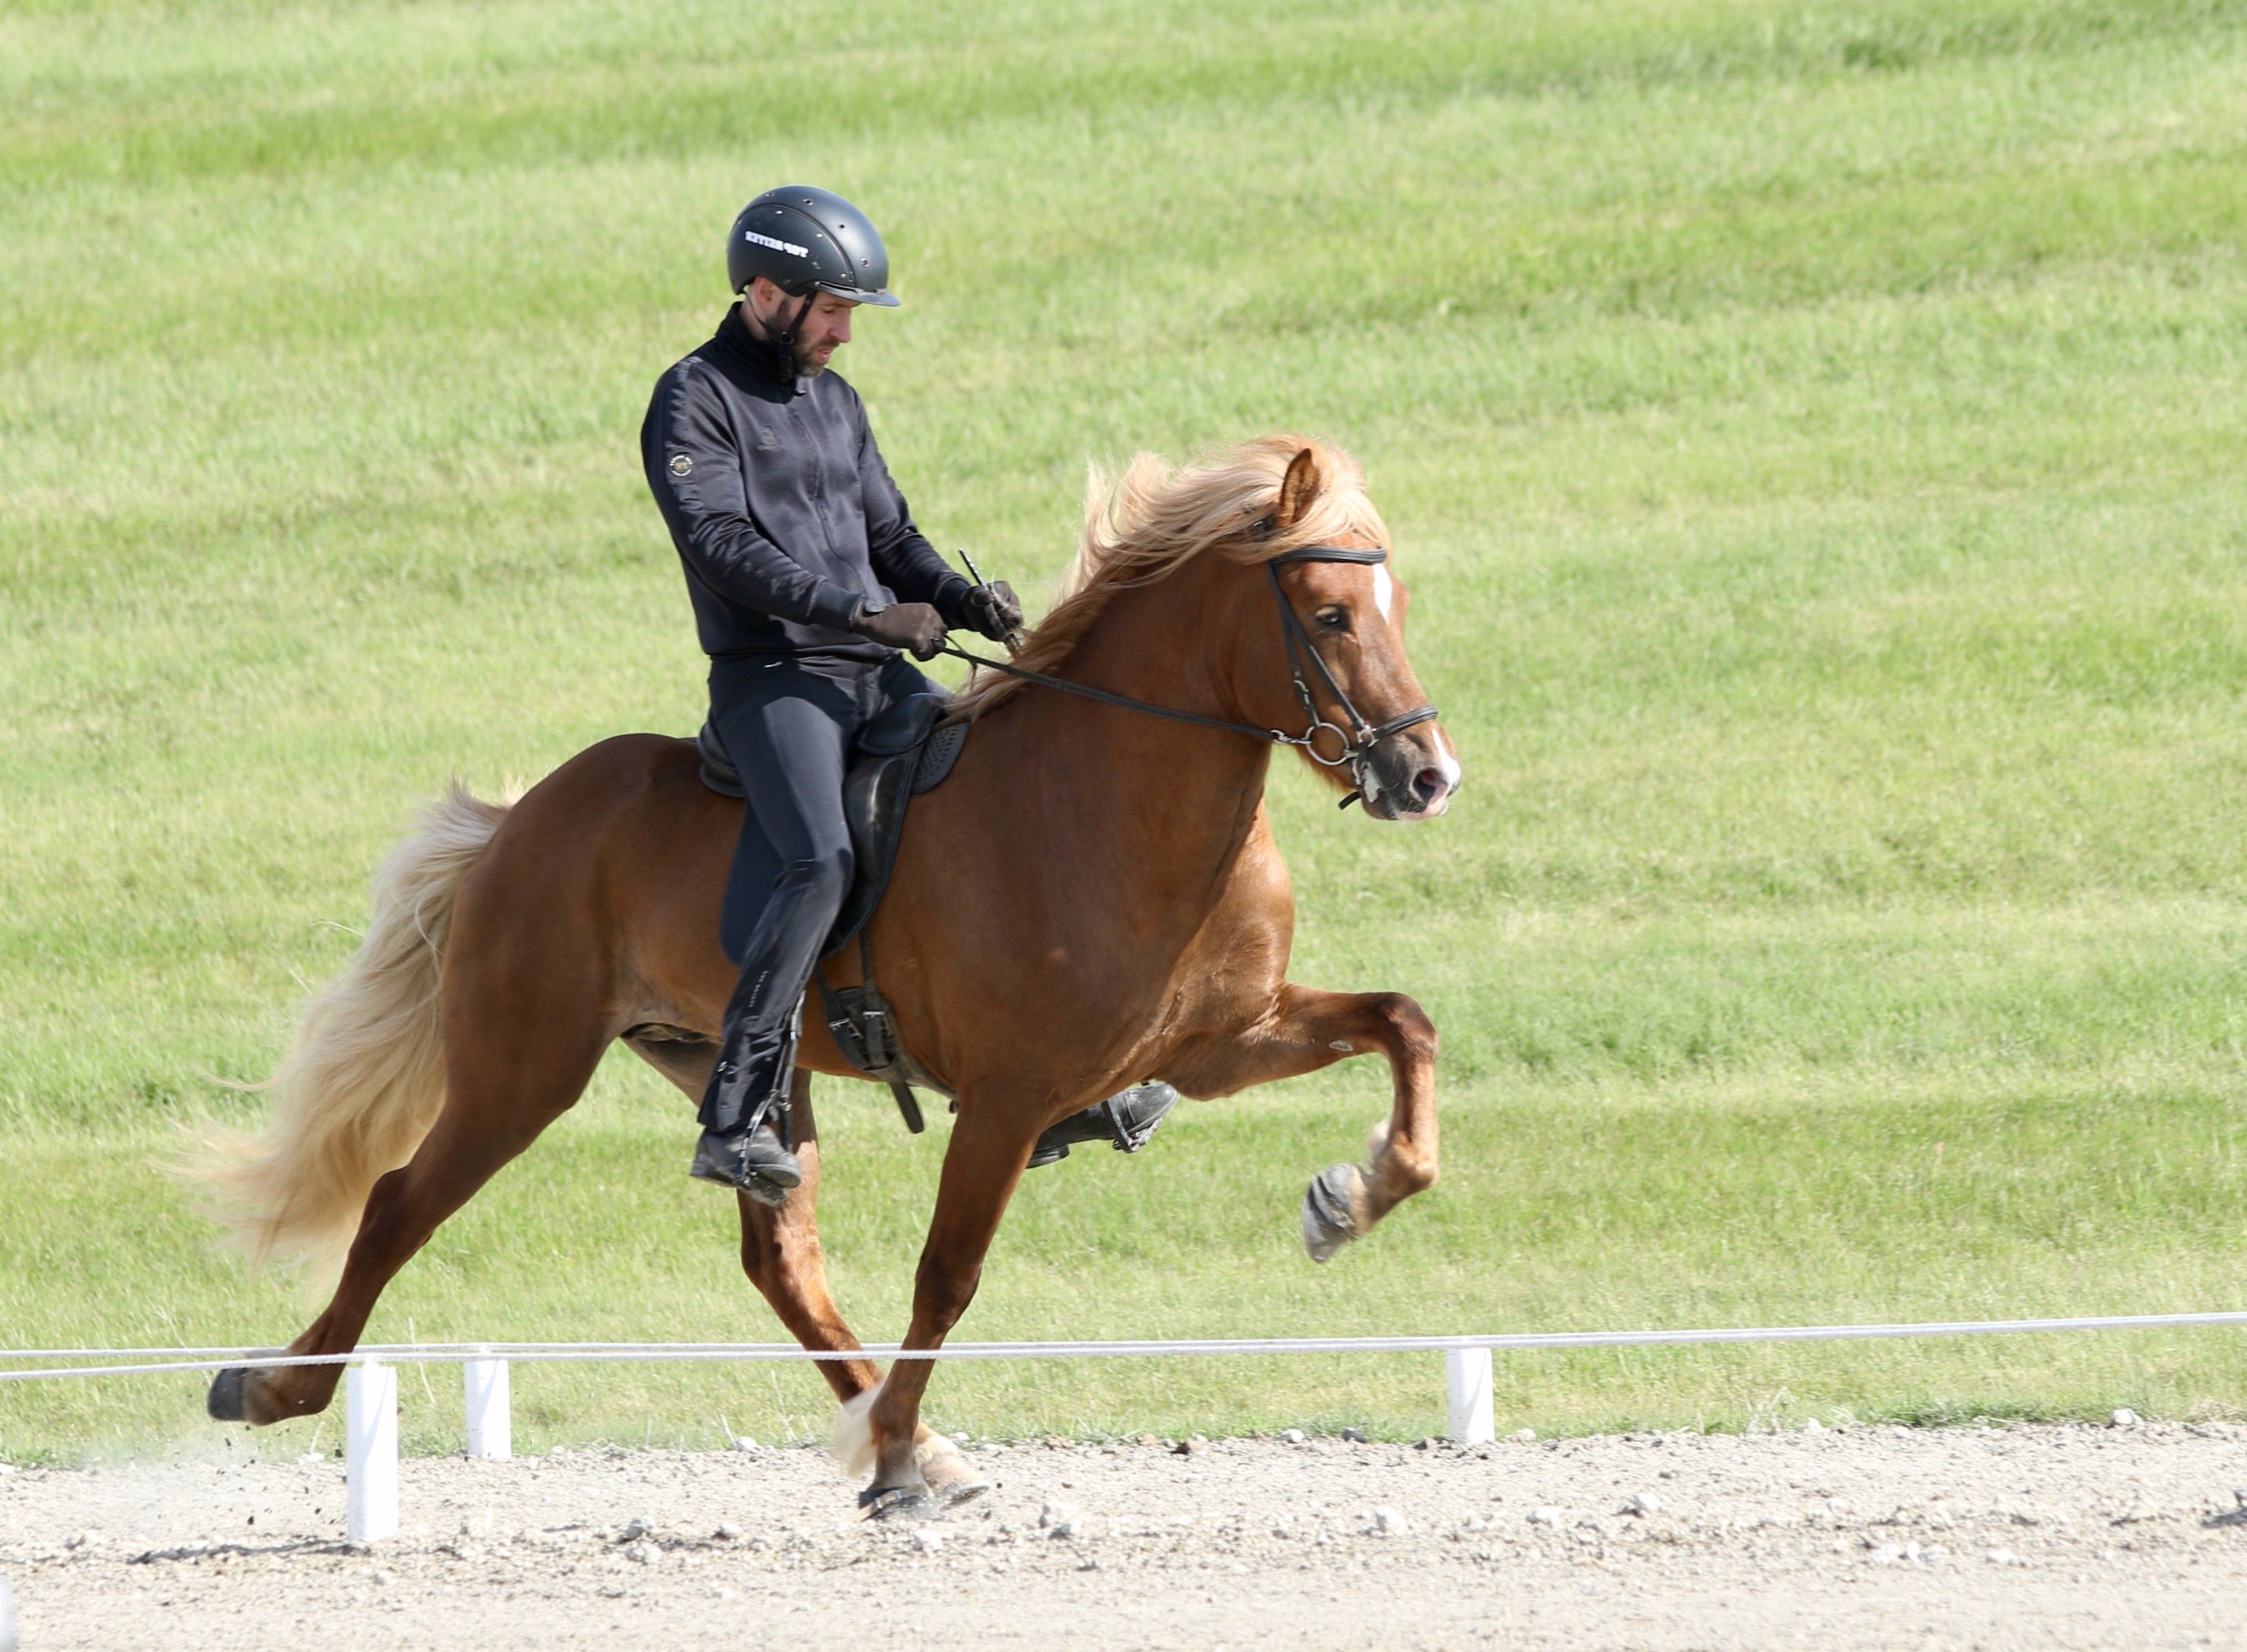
(938, 754)
(874, 799)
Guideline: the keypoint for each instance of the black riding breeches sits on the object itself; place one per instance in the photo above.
(788, 726)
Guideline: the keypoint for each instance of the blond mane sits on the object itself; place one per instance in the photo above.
(1153, 519)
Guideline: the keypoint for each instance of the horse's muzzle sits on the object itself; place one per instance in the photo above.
(1410, 776)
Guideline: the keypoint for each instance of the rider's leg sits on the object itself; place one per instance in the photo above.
(788, 728)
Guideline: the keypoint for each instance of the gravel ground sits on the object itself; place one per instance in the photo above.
(2128, 1537)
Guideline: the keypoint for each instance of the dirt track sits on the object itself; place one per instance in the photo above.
(2127, 1538)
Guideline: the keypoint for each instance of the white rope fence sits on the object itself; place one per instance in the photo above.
(371, 1383)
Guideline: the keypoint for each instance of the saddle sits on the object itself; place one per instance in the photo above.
(898, 755)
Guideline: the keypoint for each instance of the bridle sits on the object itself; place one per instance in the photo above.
(1357, 737)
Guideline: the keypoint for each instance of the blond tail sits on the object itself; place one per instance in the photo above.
(365, 1077)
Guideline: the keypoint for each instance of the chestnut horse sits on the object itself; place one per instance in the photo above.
(1092, 899)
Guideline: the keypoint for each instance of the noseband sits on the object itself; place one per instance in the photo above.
(1357, 737)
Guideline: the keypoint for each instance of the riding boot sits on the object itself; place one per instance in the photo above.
(745, 1127)
(753, 1161)
(1124, 1121)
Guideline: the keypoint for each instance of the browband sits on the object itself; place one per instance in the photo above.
(1332, 553)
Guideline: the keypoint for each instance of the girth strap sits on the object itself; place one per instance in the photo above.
(858, 1020)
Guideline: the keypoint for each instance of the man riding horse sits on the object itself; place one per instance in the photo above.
(1093, 895)
(808, 576)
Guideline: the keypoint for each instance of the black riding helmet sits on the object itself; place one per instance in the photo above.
(801, 240)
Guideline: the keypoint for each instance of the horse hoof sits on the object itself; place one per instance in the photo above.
(948, 1476)
(235, 1397)
(1329, 1217)
(950, 1494)
(225, 1401)
(897, 1503)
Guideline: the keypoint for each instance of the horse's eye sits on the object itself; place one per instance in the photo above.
(1333, 619)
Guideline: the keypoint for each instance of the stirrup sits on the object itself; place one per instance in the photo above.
(1124, 1121)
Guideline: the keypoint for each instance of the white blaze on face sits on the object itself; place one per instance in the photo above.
(1382, 589)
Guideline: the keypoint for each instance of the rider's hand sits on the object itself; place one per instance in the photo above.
(993, 610)
(914, 626)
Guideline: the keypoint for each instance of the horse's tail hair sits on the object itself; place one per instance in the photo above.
(364, 1080)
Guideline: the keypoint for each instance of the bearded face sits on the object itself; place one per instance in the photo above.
(824, 328)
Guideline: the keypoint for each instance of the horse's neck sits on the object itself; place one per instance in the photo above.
(1172, 802)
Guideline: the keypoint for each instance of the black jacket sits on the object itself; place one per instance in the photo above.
(781, 506)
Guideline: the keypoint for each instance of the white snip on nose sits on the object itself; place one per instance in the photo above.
(1381, 589)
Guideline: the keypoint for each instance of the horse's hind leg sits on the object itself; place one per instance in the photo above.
(780, 1254)
(499, 1093)
(1307, 1029)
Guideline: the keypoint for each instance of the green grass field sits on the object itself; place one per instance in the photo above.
(1812, 435)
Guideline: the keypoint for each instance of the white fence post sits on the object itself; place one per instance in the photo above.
(491, 1419)
(1466, 1389)
(371, 1452)
(7, 1618)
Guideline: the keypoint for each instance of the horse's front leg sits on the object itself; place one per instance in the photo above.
(990, 1145)
(1304, 1030)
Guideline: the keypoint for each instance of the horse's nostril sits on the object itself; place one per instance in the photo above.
(1429, 784)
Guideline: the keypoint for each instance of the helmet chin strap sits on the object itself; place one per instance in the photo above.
(786, 336)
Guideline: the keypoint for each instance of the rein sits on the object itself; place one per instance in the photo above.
(1358, 739)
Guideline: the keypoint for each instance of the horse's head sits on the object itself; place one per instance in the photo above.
(1296, 621)
(1342, 648)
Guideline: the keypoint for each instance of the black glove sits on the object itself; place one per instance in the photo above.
(993, 609)
(914, 626)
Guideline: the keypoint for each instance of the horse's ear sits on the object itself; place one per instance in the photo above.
(1298, 488)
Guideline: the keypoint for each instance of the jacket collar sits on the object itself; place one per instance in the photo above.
(764, 357)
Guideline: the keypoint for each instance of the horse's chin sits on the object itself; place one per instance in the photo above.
(1377, 807)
